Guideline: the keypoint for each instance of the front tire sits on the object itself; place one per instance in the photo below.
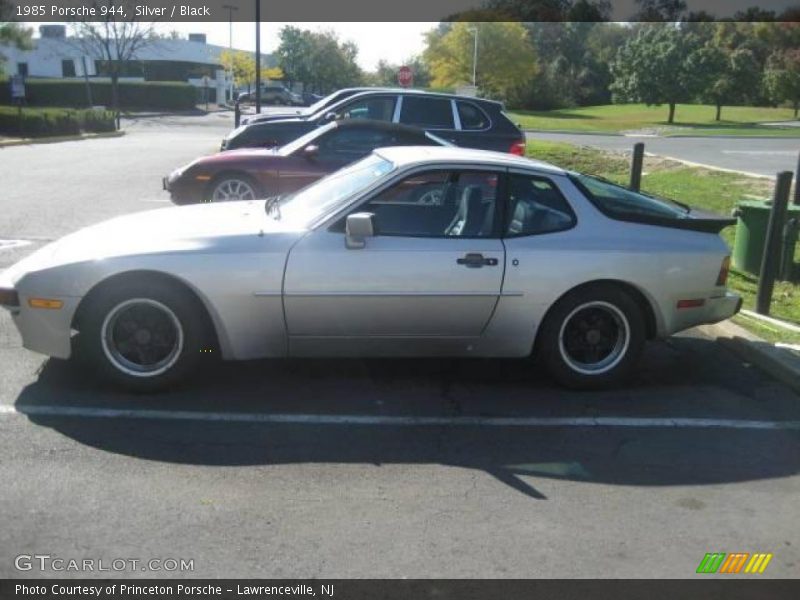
(592, 338)
(233, 188)
(143, 336)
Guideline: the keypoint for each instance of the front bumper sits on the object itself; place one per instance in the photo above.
(182, 192)
(46, 331)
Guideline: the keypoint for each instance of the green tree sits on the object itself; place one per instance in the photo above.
(506, 58)
(655, 67)
(782, 77)
(660, 10)
(294, 54)
(318, 60)
(385, 73)
(12, 34)
(725, 77)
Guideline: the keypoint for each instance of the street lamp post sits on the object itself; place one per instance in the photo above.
(258, 56)
(474, 31)
(230, 10)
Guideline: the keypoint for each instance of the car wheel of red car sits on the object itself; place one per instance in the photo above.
(232, 188)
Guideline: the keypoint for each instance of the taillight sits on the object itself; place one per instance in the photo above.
(518, 148)
(722, 278)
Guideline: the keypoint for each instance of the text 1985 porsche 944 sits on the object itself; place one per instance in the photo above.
(413, 251)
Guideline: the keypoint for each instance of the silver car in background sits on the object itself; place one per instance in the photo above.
(414, 251)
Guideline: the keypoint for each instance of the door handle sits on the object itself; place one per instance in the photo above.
(475, 260)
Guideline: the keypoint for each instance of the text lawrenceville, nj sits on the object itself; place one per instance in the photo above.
(177, 10)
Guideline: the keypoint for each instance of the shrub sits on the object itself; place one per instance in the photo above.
(158, 95)
(39, 122)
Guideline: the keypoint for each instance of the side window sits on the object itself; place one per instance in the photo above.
(472, 117)
(379, 108)
(536, 206)
(352, 143)
(430, 113)
(437, 204)
(270, 136)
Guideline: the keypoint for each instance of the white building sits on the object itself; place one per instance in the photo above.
(55, 55)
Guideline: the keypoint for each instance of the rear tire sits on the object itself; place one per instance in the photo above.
(144, 336)
(592, 338)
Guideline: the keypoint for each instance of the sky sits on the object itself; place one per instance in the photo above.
(394, 42)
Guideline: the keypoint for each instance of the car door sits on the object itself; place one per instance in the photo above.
(433, 270)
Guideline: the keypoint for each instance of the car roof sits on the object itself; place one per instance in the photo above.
(410, 155)
(411, 92)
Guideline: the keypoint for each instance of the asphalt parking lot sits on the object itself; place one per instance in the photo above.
(372, 468)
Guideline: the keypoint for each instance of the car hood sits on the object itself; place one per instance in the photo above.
(202, 229)
(237, 155)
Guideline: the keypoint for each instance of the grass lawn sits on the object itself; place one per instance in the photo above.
(690, 119)
(702, 188)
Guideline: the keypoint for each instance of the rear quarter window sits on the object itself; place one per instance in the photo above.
(472, 117)
(621, 203)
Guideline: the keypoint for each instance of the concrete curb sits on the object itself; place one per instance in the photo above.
(780, 363)
(61, 138)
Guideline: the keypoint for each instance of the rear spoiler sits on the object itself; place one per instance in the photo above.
(703, 222)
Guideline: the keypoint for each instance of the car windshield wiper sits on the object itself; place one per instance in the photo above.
(273, 205)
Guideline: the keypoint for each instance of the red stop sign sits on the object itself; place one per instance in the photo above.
(405, 77)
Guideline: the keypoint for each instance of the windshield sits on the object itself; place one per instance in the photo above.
(621, 202)
(320, 103)
(329, 99)
(331, 192)
(303, 140)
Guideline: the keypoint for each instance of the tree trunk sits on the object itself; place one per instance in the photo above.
(671, 118)
(115, 97)
(796, 106)
(719, 111)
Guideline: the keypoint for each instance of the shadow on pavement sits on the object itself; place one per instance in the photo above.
(684, 377)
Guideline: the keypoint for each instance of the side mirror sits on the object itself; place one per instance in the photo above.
(311, 151)
(358, 227)
(331, 116)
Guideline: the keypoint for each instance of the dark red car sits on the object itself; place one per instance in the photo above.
(252, 173)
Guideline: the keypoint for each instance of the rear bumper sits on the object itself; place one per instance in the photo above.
(713, 310)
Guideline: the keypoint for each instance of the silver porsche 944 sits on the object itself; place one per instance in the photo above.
(414, 251)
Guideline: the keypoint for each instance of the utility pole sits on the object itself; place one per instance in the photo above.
(230, 10)
(258, 56)
(772, 245)
(474, 31)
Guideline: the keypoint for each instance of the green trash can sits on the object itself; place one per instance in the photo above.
(751, 233)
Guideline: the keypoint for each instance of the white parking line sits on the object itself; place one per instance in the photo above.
(9, 244)
(395, 421)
